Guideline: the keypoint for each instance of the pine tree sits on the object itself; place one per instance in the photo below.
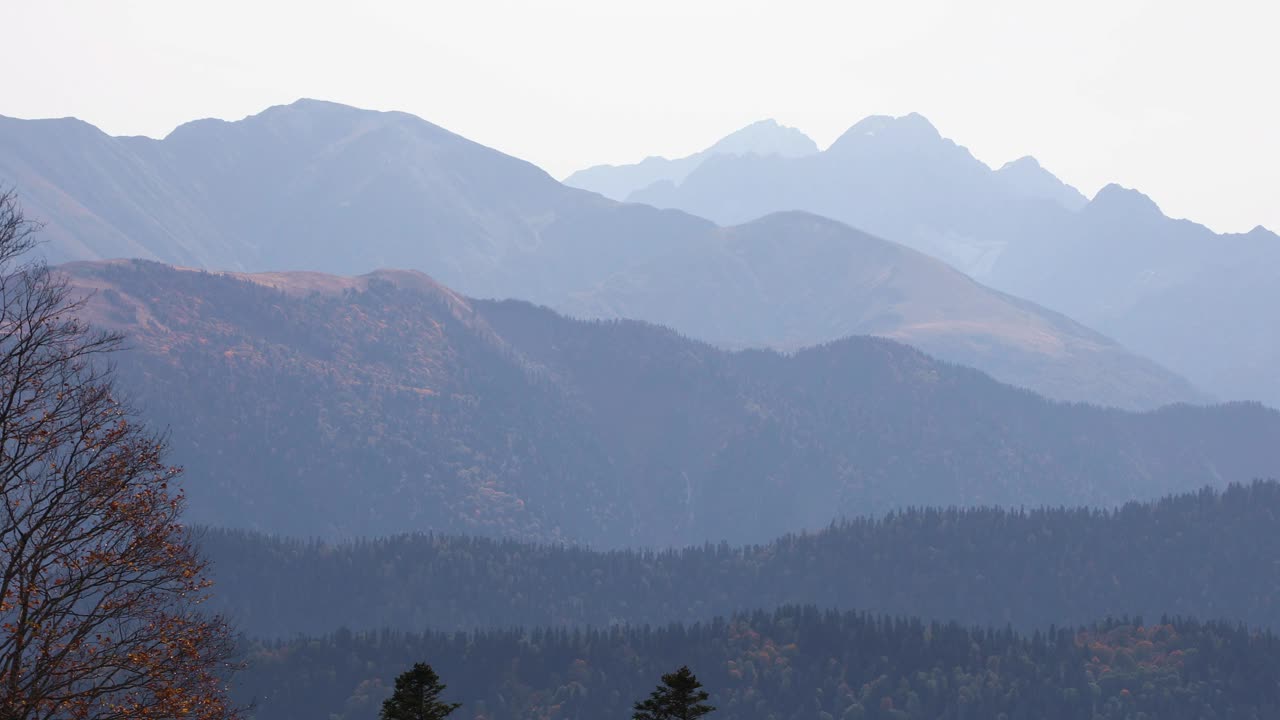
(679, 697)
(417, 696)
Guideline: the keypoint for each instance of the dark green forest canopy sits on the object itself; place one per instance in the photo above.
(1207, 554)
(796, 663)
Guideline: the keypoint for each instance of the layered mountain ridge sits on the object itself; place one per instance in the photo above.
(324, 187)
(312, 405)
(1173, 290)
(896, 177)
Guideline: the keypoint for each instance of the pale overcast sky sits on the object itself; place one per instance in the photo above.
(1174, 97)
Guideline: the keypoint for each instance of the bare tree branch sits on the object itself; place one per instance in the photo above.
(100, 585)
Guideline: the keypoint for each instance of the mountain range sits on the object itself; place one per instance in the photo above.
(741, 402)
(325, 187)
(1171, 289)
(316, 405)
(1193, 300)
(897, 178)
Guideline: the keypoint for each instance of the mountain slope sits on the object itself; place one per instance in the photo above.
(324, 187)
(314, 405)
(1172, 289)
(100, 198)
(289, 188)
(746, 285)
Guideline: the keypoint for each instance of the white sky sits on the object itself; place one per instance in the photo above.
(1180, 99)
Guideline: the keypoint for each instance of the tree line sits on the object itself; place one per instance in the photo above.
(1204, 554)
(794, 663)
(417, 691)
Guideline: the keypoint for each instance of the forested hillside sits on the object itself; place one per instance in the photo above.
(309, 404)
(1204, 554)
(794, 664)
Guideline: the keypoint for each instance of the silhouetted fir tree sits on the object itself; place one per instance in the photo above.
(679, 697)
(417, 696)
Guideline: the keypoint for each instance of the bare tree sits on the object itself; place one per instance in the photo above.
(100, 586)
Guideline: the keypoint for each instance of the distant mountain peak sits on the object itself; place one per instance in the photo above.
(1026, 162)
(1263, 233)
(1115, 198)
(70, 126)
(304, 116)
(910, 128)
(1028, 177)
(314, 103)
(316, 106)
(764, 137)
(767, 125)
(304, 106)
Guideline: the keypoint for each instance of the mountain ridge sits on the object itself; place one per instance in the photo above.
(325, 187)
(1170, 289)
(314, 406)
(858, 284)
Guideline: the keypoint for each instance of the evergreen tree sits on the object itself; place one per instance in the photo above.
(417, 696)
(679, 697)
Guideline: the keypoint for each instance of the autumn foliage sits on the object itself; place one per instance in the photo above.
(100, 585)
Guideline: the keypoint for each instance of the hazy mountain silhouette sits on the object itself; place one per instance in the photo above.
(893, 177)
(1203, 303)
(310, 404)
(1173, 290)
(312, 186)
(764, 138)
(325, 187)
(747, 285)
(1025, 176)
